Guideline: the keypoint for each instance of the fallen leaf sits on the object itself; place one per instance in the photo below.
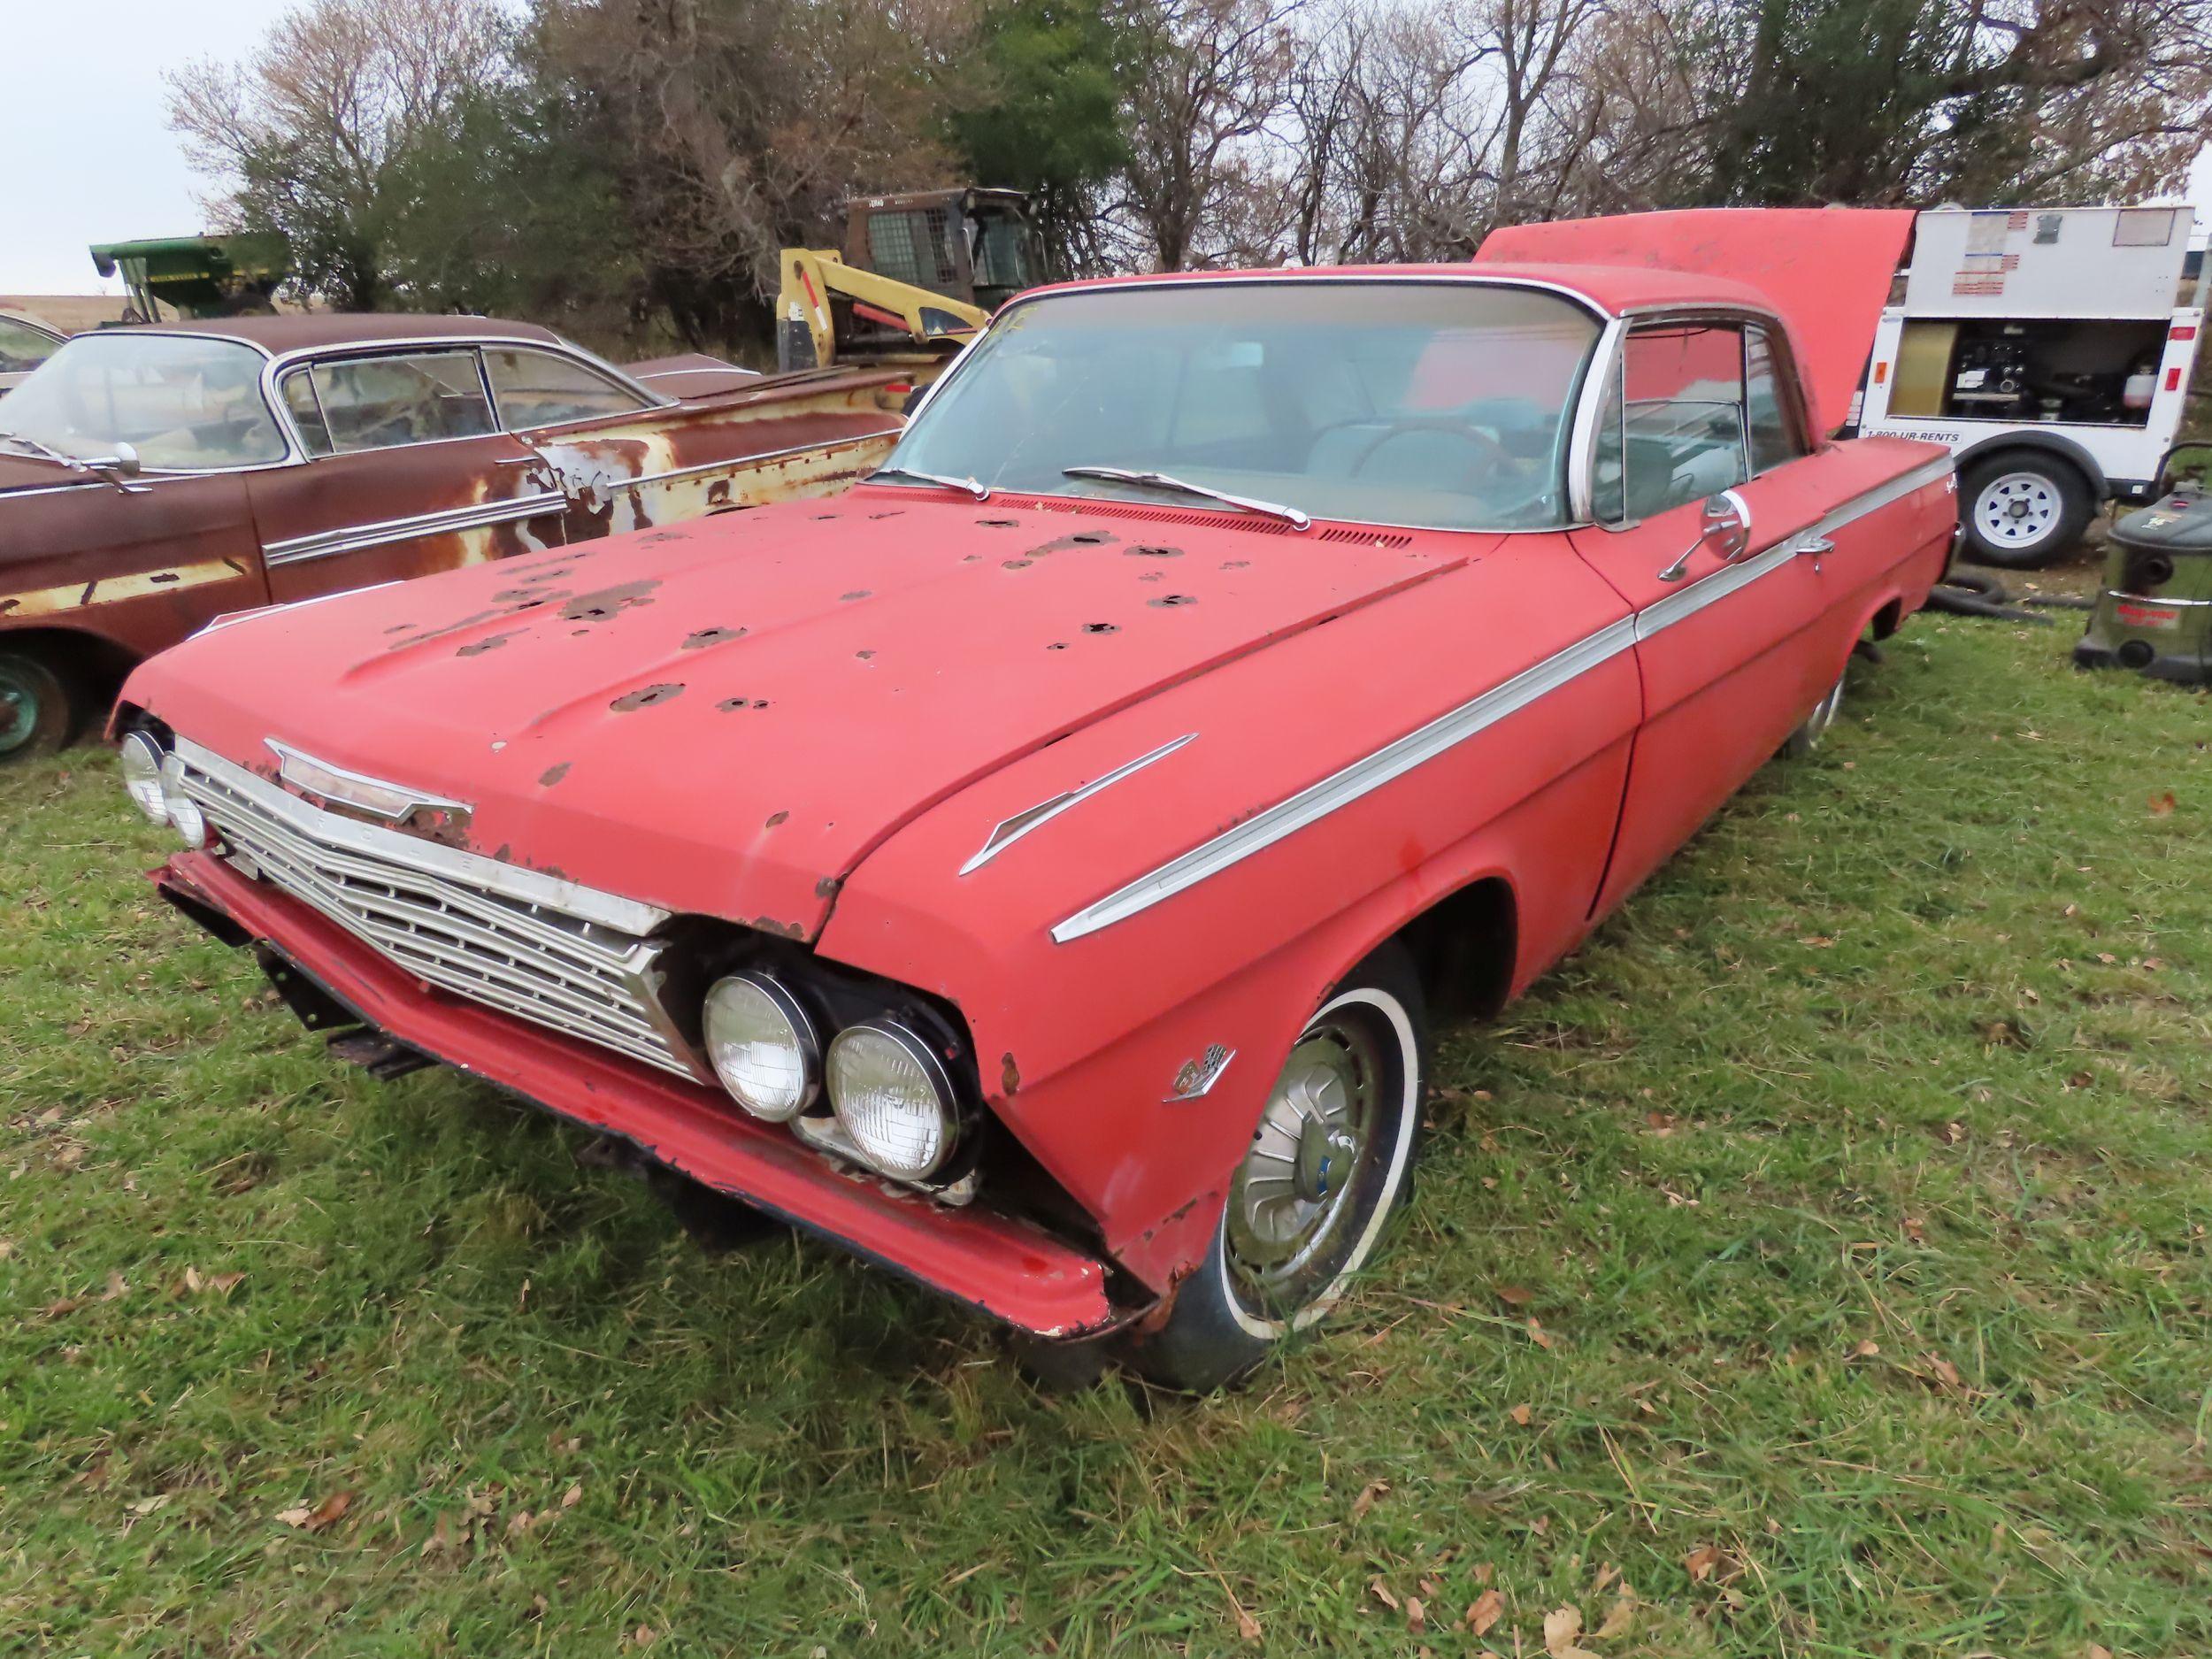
(1701, 1562)
(1248, 1627)
(2163, 805)
(66, 1305)
(1618, 1617)
(1866, 1350)
(1416, 1615)
(1516, 1295)
(321, 1515)
(116, 1287)
(192, 1281)
(573, 1496)
(147, 1506)
(1368, 1493)
(1381, 1592)
(1948, 1374)
(1484, 1612)
(1562, 1625)
(1485, 1572)
(1539, 1335)
(1521, 1415)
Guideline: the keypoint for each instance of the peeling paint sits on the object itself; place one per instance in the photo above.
(603, 603)
(775, 818)
(711, 636)
(646, 696)
(553, 774)
(1010, 1076)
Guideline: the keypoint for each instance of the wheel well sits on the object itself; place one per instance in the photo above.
(95, 668)
(2044, 450)
(1463, 949)
(1887, 619)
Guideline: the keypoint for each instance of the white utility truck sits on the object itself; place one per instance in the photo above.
(2050, 350)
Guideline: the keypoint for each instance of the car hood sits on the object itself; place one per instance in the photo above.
(1826, 269)
(727, 717)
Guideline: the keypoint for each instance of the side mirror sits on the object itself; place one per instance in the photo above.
(1723, 529)
(119, 468)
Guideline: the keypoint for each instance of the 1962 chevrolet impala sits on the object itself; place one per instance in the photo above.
(1034, 870)
(152, 479)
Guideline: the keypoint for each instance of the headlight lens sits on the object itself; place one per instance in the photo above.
(183, 811)
(762, 1046)
(892, 1096)
(141, 776)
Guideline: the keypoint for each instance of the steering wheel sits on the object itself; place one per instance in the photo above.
(1489, 458)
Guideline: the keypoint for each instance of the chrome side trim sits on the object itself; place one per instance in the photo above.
(355, 538)
(1729, 579)
(393, 802)
(1341, 788)
(734, 462)
(511, 881)
(1395, 760)
(1009, 831)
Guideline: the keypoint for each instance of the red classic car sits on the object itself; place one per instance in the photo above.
(1034, 870)
(152, 479)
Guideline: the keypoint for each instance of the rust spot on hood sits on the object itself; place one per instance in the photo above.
(711, 636)
(1075, 539)
(646, 696)
(1142, 552)
(490, 641)
(553, 774)
(775, 818)
(1010, 1075)
(597, 606)
(827, 887)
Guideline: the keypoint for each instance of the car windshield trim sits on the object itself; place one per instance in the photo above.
(1573, 392)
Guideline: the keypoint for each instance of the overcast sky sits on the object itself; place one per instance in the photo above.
(85, 156)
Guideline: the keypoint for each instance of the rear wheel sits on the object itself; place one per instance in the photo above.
(1330, 1162)
(36, 710)
(1806, 739)
(2025, 509)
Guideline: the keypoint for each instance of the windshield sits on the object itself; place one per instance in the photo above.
(1445, 405)
(184, 404)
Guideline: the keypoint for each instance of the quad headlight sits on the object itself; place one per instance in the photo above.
(894, 1098)
(762, 1046)
(141, 776)
(155, 783)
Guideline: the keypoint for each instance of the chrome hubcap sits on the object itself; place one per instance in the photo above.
(19, 712)
(1817, 724)
(2018, 509)
(1291, 1198)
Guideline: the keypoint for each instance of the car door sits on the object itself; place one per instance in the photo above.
(407, 472)
(1705, 490)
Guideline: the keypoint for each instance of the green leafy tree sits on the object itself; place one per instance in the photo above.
(1053, 76)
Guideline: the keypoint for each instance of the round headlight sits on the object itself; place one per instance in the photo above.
(892, 1094)
(183, 811)
(141, 758)
(762, 1046)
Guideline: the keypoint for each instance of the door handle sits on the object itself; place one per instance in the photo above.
(1818, 546)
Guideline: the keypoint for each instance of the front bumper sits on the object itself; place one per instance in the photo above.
(1000, 1265)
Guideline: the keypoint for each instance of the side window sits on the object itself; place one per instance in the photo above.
(306, 412)
(540, 388)
(23, 348)
(1682, 434)
(382, 402)
(1768, 415)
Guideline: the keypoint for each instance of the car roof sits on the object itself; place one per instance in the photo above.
(306, 331)
(1616, 290)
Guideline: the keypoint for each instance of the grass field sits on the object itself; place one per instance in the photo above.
(1815, 1265)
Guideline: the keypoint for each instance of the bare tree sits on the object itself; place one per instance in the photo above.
(303, 136)
(1199, 188)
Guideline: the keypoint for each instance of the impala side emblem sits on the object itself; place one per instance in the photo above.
(1199, 1076)
(394, 804)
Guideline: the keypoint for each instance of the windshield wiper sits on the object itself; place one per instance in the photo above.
(981, 491)
(1290, 515)
(46, 450)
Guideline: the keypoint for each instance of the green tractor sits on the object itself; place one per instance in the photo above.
(233, 275)
(2155, 613)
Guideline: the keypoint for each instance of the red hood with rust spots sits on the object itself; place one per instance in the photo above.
(727, 717)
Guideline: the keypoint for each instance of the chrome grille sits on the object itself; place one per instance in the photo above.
(529, 944)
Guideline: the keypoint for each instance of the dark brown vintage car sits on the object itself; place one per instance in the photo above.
(154, 479)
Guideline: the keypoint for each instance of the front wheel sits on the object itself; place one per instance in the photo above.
(37, 712)
(1330, 1161)
(1815, 726)
(2024, 509)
